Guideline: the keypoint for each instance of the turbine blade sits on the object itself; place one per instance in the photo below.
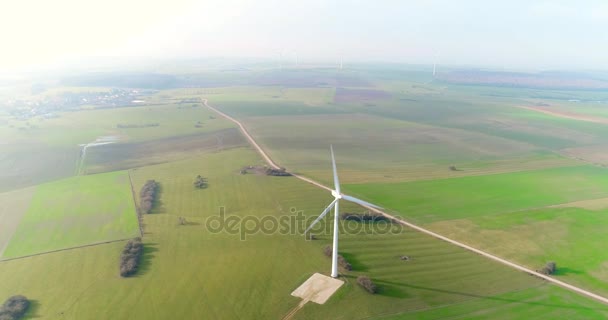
(333, 162)
(331, 205)
(359, 201)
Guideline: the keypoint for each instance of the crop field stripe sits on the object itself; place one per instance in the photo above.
(420, 229)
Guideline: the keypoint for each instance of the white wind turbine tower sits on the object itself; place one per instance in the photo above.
(335, 204)
(435, 64)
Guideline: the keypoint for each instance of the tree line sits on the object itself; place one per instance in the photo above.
(14, 308)
(147, 196)
(131, 257)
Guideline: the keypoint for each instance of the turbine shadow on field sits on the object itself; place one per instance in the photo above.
(487, 297)
(354, 262)
(146, 258)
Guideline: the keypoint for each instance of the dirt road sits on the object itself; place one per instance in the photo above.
(415, 227)
(568, 115)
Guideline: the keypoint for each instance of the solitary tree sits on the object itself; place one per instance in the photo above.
(200, 182)
(549, 268)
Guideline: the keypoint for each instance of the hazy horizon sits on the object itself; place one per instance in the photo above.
(516, 35)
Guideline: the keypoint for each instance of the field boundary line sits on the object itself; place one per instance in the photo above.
(64, 249)
(137, 210)
(416, 227)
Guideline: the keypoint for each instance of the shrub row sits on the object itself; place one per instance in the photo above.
(342, 262)
(367, 284)
(364, 217)
(128, 126)
(14, 308)
(130, 257)
(277, 172)
(148, 195)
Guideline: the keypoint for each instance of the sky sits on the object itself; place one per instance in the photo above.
(511, 34)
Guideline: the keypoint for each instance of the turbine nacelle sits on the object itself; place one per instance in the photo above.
(336, 194)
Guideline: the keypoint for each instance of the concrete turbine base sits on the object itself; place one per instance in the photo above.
(318, 288)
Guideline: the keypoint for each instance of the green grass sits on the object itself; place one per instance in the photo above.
(572, 237)
(427, 201)
(389, 150)
(189, 272)
(13, 206)
(76, 211)
(546, 302)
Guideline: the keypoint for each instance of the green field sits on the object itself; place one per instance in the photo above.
(511, 215)
(573, 237)
(201, 273)
(446, 199)
(13, 206)
(57, 140)
(463, 161)
(74, 212)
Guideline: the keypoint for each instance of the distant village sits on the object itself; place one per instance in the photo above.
(49, 105)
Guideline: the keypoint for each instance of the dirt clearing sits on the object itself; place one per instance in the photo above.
(318, 288)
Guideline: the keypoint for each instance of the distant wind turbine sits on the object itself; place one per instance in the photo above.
(335, 204)
(435, 64)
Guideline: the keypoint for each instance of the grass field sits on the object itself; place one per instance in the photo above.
(122, 156)
(73, 212)
(41, 150)
(513, 215)
(13, 206)
(373, 149)
(573, 237)
(188, 271)
(395, 139)
(30, 163)
(446, 199)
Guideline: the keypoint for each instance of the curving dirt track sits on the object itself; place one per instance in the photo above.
(415, 227)
(568, 115)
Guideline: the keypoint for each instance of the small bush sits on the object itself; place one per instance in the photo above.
(367, 284)
(14, 308)
(130, 257)
(200, 182)
(549, 269)
(327, 251)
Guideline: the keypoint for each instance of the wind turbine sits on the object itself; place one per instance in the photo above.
(335, 204)
(435, 64)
